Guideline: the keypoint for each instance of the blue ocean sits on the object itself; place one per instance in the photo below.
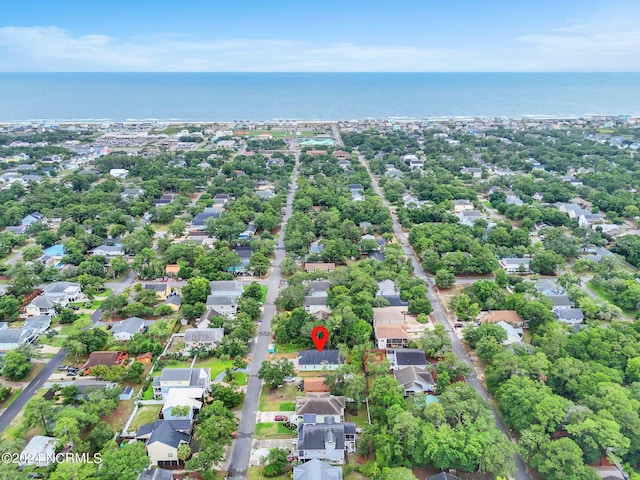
(311, 96)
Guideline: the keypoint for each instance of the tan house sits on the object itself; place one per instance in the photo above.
(319, 267)
(163, 438)
(319, 407)
(162, 290)
(172, 269)
(391, 336)
(508, 316)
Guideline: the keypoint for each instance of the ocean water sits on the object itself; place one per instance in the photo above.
(311, 96)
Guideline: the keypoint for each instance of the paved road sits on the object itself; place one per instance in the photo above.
(242, 448)
(10, 413)
(441, 318)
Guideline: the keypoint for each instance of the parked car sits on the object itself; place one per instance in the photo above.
(281, 418)
(63, 368)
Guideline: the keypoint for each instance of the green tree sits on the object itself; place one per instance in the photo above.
(184, 451)
(435, 342)
(259, 263)
(396, 473)
(122, 463)
(37, 412)
(135, 371)
(445, 278)
(274, 373)
(420, 306)
(288, 266)
(118, 266)
(472, 335)
(15, 365)
(546, 262)
(562, 460)
(196, 290)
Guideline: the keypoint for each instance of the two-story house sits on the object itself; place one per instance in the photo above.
(317, 407)
(327, 441)
(181, 378)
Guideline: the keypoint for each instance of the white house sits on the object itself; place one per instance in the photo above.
(516, 265)
(64, 292)
(314, 360)
(40, 451)
(12, 338)
(126, 329)
(108, 251)
(119, 172)
(415, 380)
(202, 337)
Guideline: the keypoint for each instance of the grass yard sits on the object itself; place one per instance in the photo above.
(16, 392)
(148, 393)
(240, 378)
(145, 414)
(178, 364)
(607, 297)
(272, 430)
(273, 400)
(361, 420)
(66, 329)
(255, 473)
(263, 289)
(54, 342)
(216, 365)
(119, 417)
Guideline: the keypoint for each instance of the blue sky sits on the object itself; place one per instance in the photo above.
(329, 35)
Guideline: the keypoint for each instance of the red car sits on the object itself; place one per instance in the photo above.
(281, 418)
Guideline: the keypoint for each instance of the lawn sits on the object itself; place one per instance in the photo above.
(67, 329)
(272, 430)
(287, 406)
(144, 415)
(263, 289)
(361, 420)
(239, 378)
(54, 342)
(274, 400)
(11, 398)
(255, 473)
(606, 296)
(148, 393)
(119, 417)
(216, 365)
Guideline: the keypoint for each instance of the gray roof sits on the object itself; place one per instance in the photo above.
(203, 335)
(167, 434)
(194, 375)
(320, 404)
(201, 218)
(225, 286)
(316, 436)
(314, 357)
(317, 470)
(560, 300)
(43, 302)
(59, 287)
(174, 300)
(319, 285)
(516, 261)
(221, 300)
(569, 314)
(109, 248)
(39, 322)
(16, 335)
(130, 325)
(409, 356)
(156, 287)
(413, 374)
(178, 425)
(156, 474)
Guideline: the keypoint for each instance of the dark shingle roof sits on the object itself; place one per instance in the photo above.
(408, 356)
(314, 357)
(165, 432)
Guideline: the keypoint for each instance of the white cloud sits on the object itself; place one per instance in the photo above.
(599, 44)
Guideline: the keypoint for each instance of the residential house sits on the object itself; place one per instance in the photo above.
(38, 323)
(548, 287)
(202, 337)
(156, 474)
(19, 230)
(316, 298)
(516, 265)
(514, 335)
(64, 293)
(265, 194)
(12, 338)
(572, 209)
(108, 251)
(387, 289)
(172, 269)
(315, 385)
(40, 452)
(173, 302)
(35, 217)
(163, 443)
(199, 222)
(415, 380)
(223, 304)
(560, 301)
(132, 193)
(245, 254)
(408, 357)
(314, 360)
(119, 172)
(275, 162)
(41, 305)
(318, 407)
(474, 171)
(319, 267)
(513, 200)
(182, 397)
(226, 287)
(249, 232)
(126, 329)
(460, 206)
(163, 290)
(325, 441)
(181, 378)
(315, 469)
(570, 316)
(588, 220)
(341, 155)
(391, 336)
(222, 198)
(470, 217)
(108, 359)
(509, 316)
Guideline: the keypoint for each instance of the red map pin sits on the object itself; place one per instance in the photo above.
(320, 341)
